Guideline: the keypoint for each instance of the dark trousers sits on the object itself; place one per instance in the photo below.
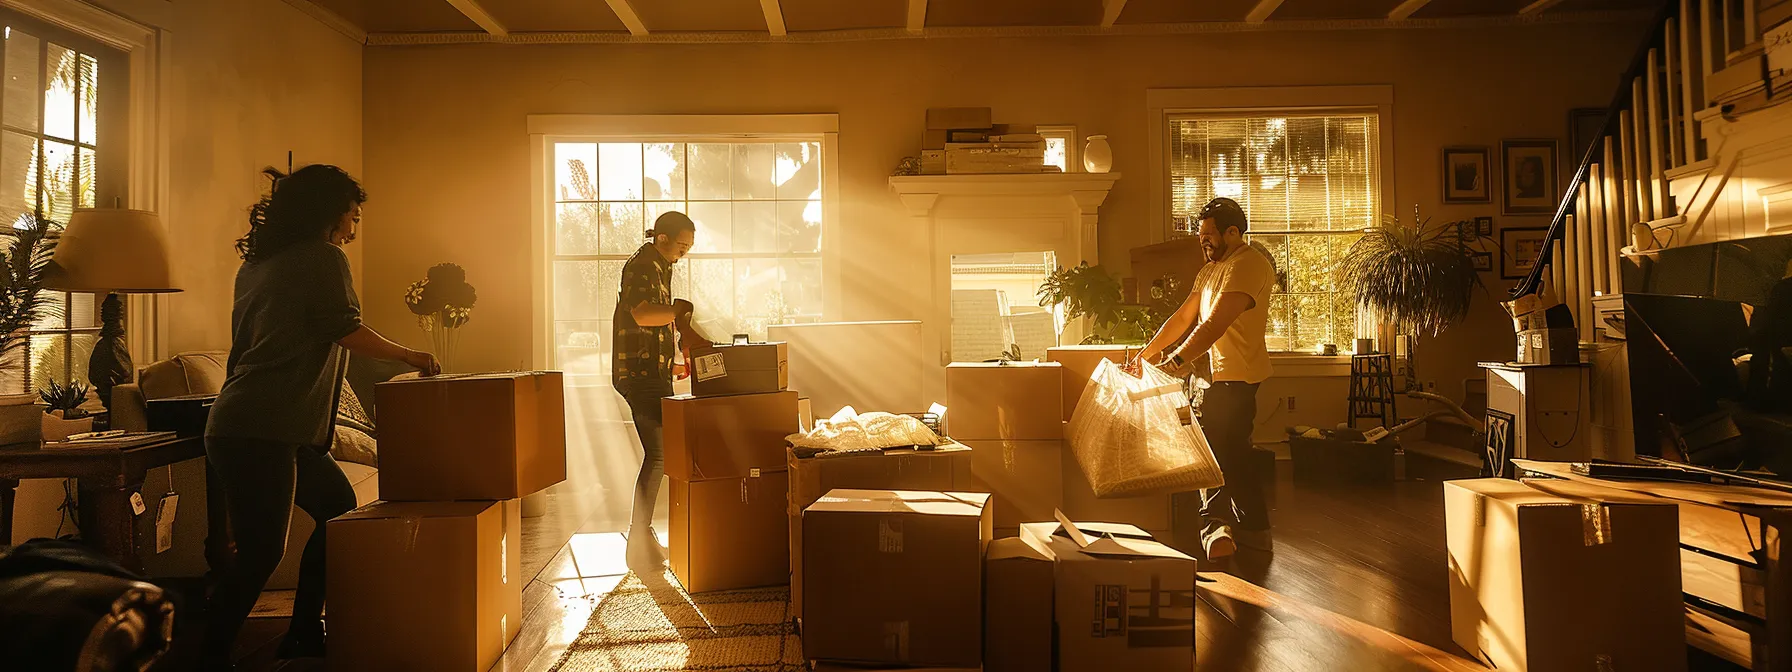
(1228, 412)
(262, 480)
(644, 405)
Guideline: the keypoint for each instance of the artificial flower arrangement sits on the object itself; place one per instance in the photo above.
(443, 303)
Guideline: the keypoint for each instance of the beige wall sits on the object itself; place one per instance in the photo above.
(447, 160)
(251, 79)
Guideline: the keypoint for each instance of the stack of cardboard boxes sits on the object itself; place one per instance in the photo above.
(724, 449)
(431, 576)
(963, 140)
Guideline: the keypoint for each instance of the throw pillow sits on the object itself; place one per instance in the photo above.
(354, 445)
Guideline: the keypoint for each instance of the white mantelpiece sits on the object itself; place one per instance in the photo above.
(982, 214)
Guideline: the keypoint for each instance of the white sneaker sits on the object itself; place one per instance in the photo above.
(1218, 543)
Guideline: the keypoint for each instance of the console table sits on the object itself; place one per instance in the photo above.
(107, 473)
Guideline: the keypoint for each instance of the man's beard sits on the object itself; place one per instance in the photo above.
(1216, 252)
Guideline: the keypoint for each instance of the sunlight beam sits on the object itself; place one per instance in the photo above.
(626, 13)
(1261, 12)
(1407, 9)
(472, 10)
(1110, 12)
(917, 15)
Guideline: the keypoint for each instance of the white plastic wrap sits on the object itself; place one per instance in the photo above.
(1129, 440)
(866, 430)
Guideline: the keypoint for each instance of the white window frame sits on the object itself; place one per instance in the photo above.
(1164, 104)
(146, 144)
(547, 129)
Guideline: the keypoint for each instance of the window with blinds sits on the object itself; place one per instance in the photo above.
(1309, 185)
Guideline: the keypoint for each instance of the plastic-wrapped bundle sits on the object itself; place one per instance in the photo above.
(1128, 437)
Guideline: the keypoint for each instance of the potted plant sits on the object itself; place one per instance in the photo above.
(1417, 276)
(31, 243)
(63, 415)
(1089, 291)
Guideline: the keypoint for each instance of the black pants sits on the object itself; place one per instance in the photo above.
(644, 405)
(1228, 412)
(262, 481)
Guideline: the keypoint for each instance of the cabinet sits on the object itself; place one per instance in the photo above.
(1540, 412)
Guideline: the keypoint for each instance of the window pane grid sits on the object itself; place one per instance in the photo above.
(757, 206)
(1309, 185)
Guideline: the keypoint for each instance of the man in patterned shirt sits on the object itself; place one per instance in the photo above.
(641, 366)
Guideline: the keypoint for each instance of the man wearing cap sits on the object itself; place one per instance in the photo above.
(1223, 320)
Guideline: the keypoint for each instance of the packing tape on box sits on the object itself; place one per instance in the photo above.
(896, 639)
(1595, 524)
(413, 525)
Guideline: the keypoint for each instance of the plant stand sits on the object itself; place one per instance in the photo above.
(1372, 389)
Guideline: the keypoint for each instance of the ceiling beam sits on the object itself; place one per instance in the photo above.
(626, 13)
(472, 10)
(1407, 9)
(1110, 12)
(774, 17)
(1261, 12)
(1538, 7)
(917, 15)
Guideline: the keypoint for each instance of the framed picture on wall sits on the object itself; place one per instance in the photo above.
(1483, 260)
(1584, 124)
(1518, 250)
(1484, 227)
(1529, 170)
(1465, 175)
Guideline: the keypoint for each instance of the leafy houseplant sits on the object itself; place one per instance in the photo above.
(63, 415)
(443, 303)
(1416, 275)
(1089, 291)
(29, 245)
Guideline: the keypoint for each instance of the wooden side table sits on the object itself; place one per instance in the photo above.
(107, 475)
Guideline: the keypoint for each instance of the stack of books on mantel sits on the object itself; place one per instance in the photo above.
(1011, 153)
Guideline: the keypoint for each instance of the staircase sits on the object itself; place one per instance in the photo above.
(1665, 169)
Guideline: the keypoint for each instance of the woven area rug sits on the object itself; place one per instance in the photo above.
(654, 626)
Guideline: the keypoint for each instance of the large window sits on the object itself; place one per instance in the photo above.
(56, 115)
(758, 254)
(1310, 184)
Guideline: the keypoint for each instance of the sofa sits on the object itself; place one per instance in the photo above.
(202, 372)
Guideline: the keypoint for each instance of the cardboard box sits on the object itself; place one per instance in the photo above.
(726, 437)
(1013, 402)
(729, 533)
(955, 118)
(483, 436)
(935, 138)
(946, 469)
(1025, 476)
(895, 576)
(740, 369)
(1564, 576)
(1123, 601)
(1017, 601)
(1150, 513)
(1079, 363)
(424, 585)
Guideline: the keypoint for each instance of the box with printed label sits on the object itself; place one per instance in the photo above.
(1017, 401)
(740, 369)
(1122, 600)
(944, 468)
(424, 585)
(895, 577)
(479, 437)
(726, 437)
(1555, 575)
(729, 533)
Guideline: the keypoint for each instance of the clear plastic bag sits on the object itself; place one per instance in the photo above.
(1129, 440)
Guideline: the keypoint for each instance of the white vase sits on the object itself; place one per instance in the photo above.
(1098, 157)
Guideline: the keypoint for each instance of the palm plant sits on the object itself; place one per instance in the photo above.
(1416, 275)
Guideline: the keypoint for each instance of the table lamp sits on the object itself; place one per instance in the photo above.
(111, 252)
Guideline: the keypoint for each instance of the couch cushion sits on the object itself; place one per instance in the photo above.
(355, 446)
(184, 374)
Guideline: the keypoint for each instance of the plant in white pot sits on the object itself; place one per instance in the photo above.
(63, 412)
(30, 244)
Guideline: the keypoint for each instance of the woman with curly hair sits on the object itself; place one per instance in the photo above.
(268, 437)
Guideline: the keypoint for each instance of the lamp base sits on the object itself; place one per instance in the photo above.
(110, 365)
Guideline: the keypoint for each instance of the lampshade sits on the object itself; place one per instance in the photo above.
(124, 251)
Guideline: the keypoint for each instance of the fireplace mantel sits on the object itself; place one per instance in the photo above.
(980, 214)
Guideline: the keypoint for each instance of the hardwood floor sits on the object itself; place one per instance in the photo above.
(1358, 581)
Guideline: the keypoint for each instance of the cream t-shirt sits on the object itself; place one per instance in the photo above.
(1240, 354)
